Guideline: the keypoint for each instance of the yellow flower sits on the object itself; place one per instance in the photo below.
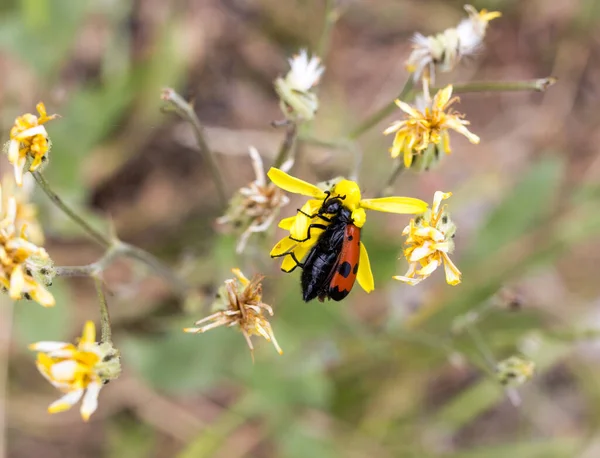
(25, 268)
(78, 371)
(26, 214)
(29, 141)
(303, 237)
(429, 242)
(427, 126)
(239, 303)
(254, 207)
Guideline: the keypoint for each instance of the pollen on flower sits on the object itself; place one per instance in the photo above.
(79, 371)
(427, 125)
(444, 50)
(25, 268)
(296, 99)
(29, 143)
(239, 304)
(429, 242)
(254, 207)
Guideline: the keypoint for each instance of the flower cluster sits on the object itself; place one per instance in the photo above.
(25, 268)
(429, 242)
(515, 371)
(29, 144)
(239, 304)
(444, 50)
(78, 370)
(254, 207)
(297, 101)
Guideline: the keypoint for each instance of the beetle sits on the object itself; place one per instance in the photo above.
(330, 267)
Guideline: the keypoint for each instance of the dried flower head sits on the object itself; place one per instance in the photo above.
(78, 371)
(296, 99)
(29, 143)
(444, 50)
(26, 214)
(254, 207)
(427, 125)
(429, 242)
(25, 268)
(239, 303)
(515, 371)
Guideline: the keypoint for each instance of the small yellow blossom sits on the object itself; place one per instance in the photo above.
(444, 50)
(25, 268)
(29, 142)
(26, 215)
(429, 241)
(239, 303)
(78, 371)
(515, 371)
(427, 126)
(254, 207)
(296, 99)
(303, 235)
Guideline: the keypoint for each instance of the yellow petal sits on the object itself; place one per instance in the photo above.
(364, 276)
(88, 335)
(66, 402)
(408, 157)
(442, 98)
(412, 112)
(408, 280)
(285, 245)
(408, 205)
(293, 184)
(300, 253)
(437, 200)
(452, 273)
(42, 296)
(17, 283)
(240, 276)
(286, 223)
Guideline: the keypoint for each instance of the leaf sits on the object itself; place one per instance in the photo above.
(34, 322)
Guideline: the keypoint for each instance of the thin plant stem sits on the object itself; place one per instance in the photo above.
(286, 150)
(186, 111)
(133, 252)
(105, 325)
(396, 172)
(331, 17)
(6, 326)
(114, 247)
(381, 114)
(488, 357)
(121, 249)
(95, 234)
(537, 85)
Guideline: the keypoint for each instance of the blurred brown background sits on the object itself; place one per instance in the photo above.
(392, 374)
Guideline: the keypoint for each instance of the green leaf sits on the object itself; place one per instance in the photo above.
(181, 362)
(34, 322)
(525, 207)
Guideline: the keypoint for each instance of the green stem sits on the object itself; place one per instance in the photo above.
(396, 172)
(331, 17)
(186, 112)
(286, 148)
(381, 114)
(538, 85)
(95, 234)
(104, 316)
(121, 249)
